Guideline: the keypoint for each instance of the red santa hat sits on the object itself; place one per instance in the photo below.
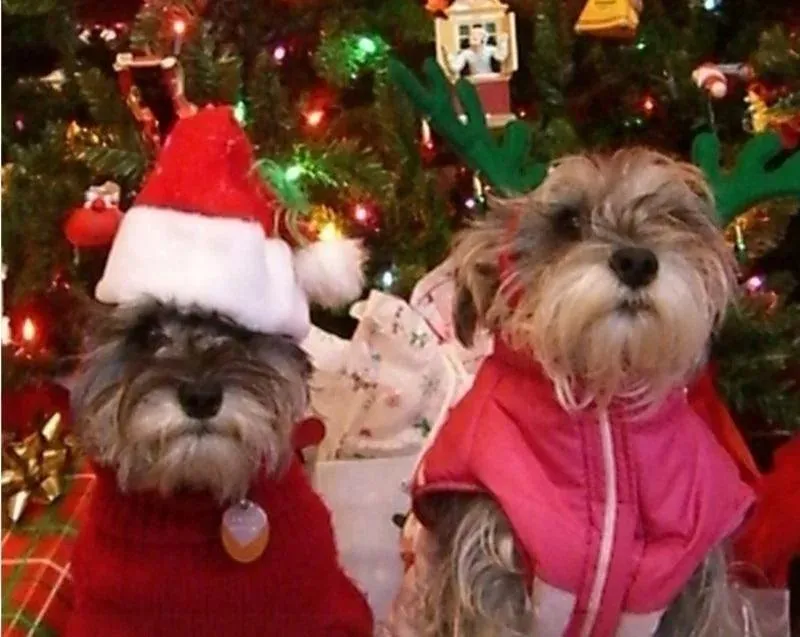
(206, 233)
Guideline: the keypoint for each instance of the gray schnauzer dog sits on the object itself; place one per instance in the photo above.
(189, 400)
(603, 287)
(202, 519)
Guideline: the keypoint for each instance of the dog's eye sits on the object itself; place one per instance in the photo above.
(567, 222)
(148, 335)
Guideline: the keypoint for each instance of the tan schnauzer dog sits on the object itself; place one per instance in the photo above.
(573, 491)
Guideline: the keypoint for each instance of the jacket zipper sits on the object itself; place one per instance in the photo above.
(609, 524)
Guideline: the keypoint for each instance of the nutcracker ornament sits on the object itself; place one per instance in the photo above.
(125, 66)
(476, 39)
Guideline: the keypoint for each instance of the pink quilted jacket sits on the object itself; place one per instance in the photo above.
(613, 514)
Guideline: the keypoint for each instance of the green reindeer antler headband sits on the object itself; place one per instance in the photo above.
(507, 166)
(502, 164)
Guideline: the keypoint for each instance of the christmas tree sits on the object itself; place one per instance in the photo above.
(91, 91)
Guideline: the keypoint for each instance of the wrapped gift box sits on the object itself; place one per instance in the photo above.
(37, 593)
(382, 394)
(364, 496)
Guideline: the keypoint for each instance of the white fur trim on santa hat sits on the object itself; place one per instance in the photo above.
(218, 264)
(331, 272)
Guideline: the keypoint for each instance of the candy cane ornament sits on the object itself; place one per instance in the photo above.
(714, 78)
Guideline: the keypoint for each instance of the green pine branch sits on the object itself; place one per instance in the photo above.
(757, 354)
(119, 164)
(102, 96)
(212, 76)
(551, 56)
(41, 187)
(270, 120)
(30, 7)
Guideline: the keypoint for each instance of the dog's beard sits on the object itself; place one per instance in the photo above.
(159, 447)
(598, 339)
(166, 450)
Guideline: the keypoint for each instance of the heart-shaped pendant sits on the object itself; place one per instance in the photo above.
(245, 531)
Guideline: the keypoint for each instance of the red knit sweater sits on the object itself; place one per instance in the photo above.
(146, 566)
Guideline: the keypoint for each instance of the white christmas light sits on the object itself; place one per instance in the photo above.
(387, 279)
(279, 53)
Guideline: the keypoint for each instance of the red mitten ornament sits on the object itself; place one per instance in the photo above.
(94, 224)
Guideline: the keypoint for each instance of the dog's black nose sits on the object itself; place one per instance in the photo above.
(635, 267)
(200, 400)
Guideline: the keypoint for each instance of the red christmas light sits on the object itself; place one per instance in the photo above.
(314, 117)
(29, 331)
(649, 105)
(361, 213)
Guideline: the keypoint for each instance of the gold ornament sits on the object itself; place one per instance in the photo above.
(764, 117)
(34, 467)
(617, 19)
(758, 109)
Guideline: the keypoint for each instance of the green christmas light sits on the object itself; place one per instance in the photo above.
(240, 112)
(293, 172)
(367, 45)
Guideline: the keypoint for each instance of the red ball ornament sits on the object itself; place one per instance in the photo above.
(95, 224)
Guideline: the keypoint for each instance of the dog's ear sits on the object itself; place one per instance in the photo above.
(474, 295)
(465, 315)
(476, 259)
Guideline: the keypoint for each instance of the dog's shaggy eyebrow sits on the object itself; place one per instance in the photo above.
(157, 314)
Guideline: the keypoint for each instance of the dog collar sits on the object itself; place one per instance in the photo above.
(244, 531)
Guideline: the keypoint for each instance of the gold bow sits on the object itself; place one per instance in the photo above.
(34, 467)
